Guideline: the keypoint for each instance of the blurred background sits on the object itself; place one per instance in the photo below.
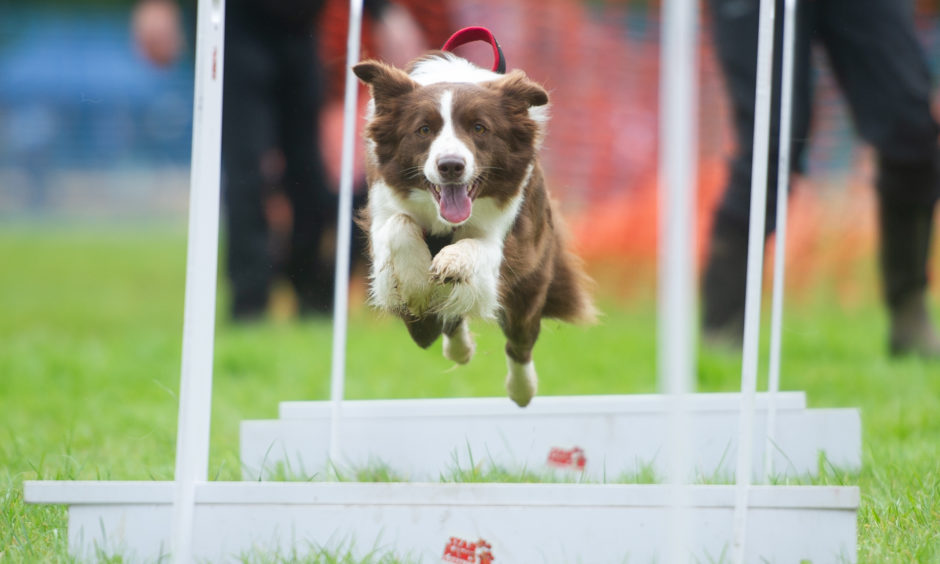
(91, 130)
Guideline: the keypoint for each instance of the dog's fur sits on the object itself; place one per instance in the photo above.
(450, 139)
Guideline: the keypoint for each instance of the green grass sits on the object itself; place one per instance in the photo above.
(90, 341)
(344, 553)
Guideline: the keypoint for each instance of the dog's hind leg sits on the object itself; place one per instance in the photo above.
(521, 333)
(424, 330)
(458, 342)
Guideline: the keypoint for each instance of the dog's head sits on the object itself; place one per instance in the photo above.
(454, 142)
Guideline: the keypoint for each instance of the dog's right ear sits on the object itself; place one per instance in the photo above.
(386, 82)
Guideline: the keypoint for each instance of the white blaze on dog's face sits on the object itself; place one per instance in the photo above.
(450, 166)
(452, 142)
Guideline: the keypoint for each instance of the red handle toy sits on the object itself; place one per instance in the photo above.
(469, 34)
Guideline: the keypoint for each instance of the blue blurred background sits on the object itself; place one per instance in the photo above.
(85, 121)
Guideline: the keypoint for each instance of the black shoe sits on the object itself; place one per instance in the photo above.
(724, 286)
(906, 233)
(912, 332)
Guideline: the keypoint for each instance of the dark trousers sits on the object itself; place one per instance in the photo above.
(882, 72)
(271, 99)
(880, 68)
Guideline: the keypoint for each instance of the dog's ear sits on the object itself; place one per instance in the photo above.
(386, 82)
(519, 90)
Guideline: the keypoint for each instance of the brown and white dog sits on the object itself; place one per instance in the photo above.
(459, 220)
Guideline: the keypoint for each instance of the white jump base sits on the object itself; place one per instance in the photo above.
(419, 440)
(560, 523)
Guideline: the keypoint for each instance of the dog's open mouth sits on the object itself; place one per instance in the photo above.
(455, 200)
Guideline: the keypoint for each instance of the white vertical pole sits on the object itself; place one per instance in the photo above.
(755, 267)
(780, 241)
(192, 439)
(344, 230)
(677, 178)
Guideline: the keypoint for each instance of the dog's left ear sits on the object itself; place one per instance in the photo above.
(385, 81)
(516, 87)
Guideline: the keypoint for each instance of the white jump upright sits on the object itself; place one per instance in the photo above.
(195, 519)
(192, 439)
(780, 241)
(344, 229)
(678, 173)
(755, 268)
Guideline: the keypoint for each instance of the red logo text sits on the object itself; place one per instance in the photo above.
(466, 552)
(567, 458)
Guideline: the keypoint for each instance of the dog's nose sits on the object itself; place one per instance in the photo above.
(451, 167)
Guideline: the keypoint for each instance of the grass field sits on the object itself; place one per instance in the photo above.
(90, 331)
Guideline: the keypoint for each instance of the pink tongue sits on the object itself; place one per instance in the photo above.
(455, 202)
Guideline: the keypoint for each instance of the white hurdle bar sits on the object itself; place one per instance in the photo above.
(614, 437)
(522, 523)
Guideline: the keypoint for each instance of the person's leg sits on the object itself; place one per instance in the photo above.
(311, 271)
(906, 235)
(882, 69)
(735, 24)
(247, 131)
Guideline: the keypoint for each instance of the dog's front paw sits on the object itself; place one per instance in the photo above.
(419, 301)
(413, 289)
(452, 265)
(401, 290)
(466, 281)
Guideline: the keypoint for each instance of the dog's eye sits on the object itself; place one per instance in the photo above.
(424, 130)
(479, 128)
